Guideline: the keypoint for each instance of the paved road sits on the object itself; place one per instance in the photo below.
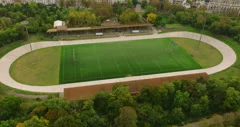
(229, 58)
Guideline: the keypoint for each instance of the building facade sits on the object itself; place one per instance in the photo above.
(224, 6)
(4, 2)
(198, 3)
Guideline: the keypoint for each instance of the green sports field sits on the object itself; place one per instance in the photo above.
(122, 59)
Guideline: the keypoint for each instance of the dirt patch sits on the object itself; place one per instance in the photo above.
(87, 92)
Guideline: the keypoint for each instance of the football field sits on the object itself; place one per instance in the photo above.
(122, 59)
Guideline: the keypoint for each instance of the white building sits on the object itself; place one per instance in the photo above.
(224, 6)
(198, 3)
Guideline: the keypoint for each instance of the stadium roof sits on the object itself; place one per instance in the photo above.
(99, 27)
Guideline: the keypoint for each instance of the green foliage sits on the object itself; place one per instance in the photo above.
(127, 118)
(231, 99)
(84, 18)
(177, 115)
(143, 4)
(170, 103)
(129, 17)
(36, 122)
(66, 121)
(9, 107)
(8, 123)
(149, 9)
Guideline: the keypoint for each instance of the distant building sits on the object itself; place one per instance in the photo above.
(224, 6)
(4, 2)
(198, 3)
(181, 2)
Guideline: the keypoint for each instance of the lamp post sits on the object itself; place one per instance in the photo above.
(25, 23)
(205, 22)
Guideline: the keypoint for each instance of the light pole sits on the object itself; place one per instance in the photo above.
(202, 32)
(25, 24)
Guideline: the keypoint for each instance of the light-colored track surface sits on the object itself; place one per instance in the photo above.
(229, 58)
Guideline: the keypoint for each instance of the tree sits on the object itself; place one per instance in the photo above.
(177, 115)
(152, 115)
(171, 18)
(103, 9)
(129, 16)
(143, 4)
(181, 100)
(156, 4)
(72, 19)
(86, 3)
(118, 8)
(135, 2)
(36, 122)
(101, 102)
(129, 3)
(231, 99)
(167, 5)
(9, 107)
(204, 103)
(149, 9)
(151, 17)
(200, 21)
(8, 123)
(127, 118)
(196, 110)
(65, 121)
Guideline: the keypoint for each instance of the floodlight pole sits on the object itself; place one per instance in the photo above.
(25, 24)
(28, 38)
(202, 33)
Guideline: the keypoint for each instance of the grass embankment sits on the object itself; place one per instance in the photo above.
(205, 54)
(233, 71)
(40, 67)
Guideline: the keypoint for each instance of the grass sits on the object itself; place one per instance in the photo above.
(233, 71)
(122, 59)
(40, 67)
(206, 55)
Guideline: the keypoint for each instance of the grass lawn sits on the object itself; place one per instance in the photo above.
(40, 67)
(206, 55)
(233, 71)
(122, 59)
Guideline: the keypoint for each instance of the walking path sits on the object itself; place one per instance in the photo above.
(229, 58)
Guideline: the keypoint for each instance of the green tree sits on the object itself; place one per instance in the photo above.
(129, 16)
(103, 9)
(143, 4)
(149, 9)
(36, 122)
(66, 121)
(182, 100)
(9, 107)
(167, 5)
(127, 118)
(101, 102)
(177, 115)
(231, 99)
(8, 123)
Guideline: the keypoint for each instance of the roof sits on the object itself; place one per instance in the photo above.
(58, 23)
(98, 27)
